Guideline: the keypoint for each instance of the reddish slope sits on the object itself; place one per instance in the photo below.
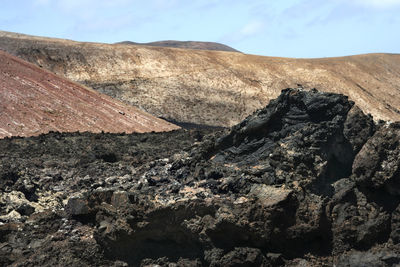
(34, 101)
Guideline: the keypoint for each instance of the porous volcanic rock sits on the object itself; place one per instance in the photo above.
(307, 181)
(39, 174)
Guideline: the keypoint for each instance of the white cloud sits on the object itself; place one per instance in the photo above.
(251, 28)
(107, 24)
(92, 15)
(246, 31)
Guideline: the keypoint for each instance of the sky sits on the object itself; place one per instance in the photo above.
(284, 28)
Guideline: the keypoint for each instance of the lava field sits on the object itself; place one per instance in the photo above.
(309, 180)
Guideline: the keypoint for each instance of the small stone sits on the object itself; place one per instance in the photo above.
(77, 205)
(268, 195)
(120, 199)
(12, 216)
(111, 180)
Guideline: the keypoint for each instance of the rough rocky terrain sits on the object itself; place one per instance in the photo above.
(210, 87)
(309, 180)
(186, 45)
(35, 101)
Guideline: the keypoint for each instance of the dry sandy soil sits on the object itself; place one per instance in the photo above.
(210, 87)
(35, 101)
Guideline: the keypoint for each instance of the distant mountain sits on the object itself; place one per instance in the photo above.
(35, 101)
(210, 87)
(186, 45)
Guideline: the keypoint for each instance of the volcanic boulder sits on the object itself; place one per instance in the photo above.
(279, 186)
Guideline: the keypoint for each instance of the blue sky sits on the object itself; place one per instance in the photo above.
(287, 28)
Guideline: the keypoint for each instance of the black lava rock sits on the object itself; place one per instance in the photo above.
(309, 180)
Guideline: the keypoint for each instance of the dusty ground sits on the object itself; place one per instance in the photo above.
(210, 87)
(34, 101)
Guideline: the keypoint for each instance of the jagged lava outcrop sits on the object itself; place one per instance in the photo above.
(35, 101)
(309, 180)
(210, 87)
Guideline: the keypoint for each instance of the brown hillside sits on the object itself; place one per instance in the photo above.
(210, 87)
(186, 45)
(34, 101)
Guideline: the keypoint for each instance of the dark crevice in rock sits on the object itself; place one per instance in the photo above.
(108, 157)
(161, 234)
(173, 245)
(340, 156)
(381, 198)
(9, 178)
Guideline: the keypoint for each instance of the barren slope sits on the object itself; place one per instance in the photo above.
(186, 45)
(34, 101)
(210, 87)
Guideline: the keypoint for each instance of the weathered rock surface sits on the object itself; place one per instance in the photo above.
(307, 181)
(210, 87)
